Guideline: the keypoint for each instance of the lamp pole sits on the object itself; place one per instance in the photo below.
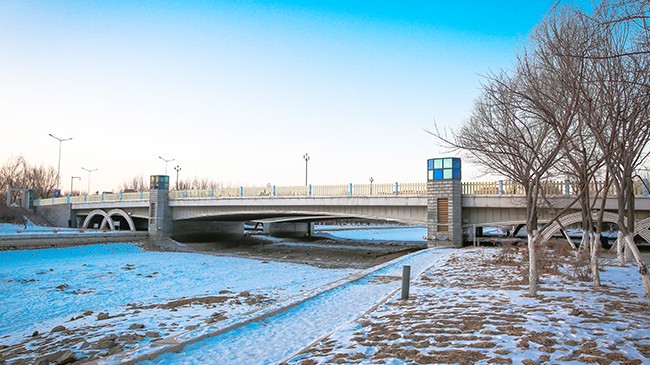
(178, 169)
(72, 183)
(89, 171)
(58, 169)
(306, 157)
(166, 162)
(371, 180)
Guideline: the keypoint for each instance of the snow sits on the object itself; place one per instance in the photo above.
(376, 233)
(8, 229)
(276, 338)
(466, 306)
(41, 289)
(482, 316)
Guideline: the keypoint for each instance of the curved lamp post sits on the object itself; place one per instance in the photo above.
(166, 162)
(58, 169)
(89, 171)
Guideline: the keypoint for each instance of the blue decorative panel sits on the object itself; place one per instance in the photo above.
(444, 168)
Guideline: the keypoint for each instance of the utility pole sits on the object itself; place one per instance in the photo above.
(306, 157)
(58, 169)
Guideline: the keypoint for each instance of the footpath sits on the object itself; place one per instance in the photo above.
(275, 333)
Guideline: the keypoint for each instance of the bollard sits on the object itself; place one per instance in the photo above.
(406, 278)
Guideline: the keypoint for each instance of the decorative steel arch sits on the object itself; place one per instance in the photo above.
(95, 213)
(121, 213)
(107, 218)
(642, 228)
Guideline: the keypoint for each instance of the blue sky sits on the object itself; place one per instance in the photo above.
(238, 91)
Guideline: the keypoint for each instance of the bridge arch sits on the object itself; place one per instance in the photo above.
(93, 214)
(107, 220)
(642, 228)
(122, 214)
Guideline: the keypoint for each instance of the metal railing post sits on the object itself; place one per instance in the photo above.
(212, 192)
(567, 187)
(273, 192)
(500, 187)
(241, 191)
(645, 187)
(350, 191)
(309, 191)
(396, 188)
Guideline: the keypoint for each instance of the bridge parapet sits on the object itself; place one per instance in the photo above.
(469, 188)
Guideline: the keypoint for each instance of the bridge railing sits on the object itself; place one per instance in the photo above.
(468, 188)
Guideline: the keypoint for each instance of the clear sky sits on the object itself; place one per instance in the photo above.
(239, 91)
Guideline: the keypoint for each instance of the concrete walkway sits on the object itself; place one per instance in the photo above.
(283, 332)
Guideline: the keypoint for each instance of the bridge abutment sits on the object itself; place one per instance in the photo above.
(444, 204)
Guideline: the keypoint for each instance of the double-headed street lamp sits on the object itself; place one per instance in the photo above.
(177, 169)
(58, 169)
(89, 171)
(306, 157)
(166, 162)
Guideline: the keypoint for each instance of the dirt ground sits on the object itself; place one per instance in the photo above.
(321, 252)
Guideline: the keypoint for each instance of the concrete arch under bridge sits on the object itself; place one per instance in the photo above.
(289, 216)
(107, 218)
(230, 225)
(642, 227)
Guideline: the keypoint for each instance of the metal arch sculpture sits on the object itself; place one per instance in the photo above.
(95, 213)
(121, 213)
(573, 218)
(642, 228)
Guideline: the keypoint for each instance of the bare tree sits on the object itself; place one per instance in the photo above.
(136, 183)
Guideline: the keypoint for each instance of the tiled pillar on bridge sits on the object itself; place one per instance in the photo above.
(160, 214)
(444, 212)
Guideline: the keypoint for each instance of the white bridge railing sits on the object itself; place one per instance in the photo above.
(556, 188)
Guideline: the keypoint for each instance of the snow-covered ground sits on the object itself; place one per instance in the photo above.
(31, 228)
(468, 306)
(376, 233)
(472, 308)
(142, 295)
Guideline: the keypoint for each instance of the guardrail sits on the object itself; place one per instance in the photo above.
(556, 188)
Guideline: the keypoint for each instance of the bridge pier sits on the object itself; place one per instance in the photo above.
(444, 210)
(160, 213)
(207, 231)
(289, 229)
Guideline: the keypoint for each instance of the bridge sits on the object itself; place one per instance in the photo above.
(290, 211)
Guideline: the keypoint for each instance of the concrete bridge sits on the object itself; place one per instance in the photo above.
(448, 207)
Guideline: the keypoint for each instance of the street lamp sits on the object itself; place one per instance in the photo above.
(58, 169)
(371, 180)
(72, 183)
(306, 157)
(166, 162)
(89, 171)
(178, 169)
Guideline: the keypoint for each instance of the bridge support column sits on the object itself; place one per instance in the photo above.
(444, 211)
(289, 229)
(160, 213)
(207, 231)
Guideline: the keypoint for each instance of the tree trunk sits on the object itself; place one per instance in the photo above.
(643, 268)
(595, 247)
(532, 263)
(620, 242)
